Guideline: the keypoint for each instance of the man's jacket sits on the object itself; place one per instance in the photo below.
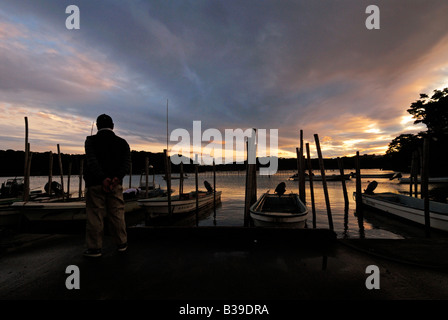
(107, 156)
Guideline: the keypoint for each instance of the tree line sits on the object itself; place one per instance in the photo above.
(12, 163)
(432, 112)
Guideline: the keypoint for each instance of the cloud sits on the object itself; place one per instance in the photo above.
(288, 65)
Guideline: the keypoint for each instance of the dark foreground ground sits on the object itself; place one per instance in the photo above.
(224, 264)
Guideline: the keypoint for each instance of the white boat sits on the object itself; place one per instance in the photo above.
(272, 210)
(57, 209)
(433, 180)
(329, 177)
(409, 208)
(158, 207)
(177, 177)
(376, 175)
(51, 209)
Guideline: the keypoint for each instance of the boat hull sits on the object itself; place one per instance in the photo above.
(60, 211)
(409, 208)
(330, 177)
(435, 180)
(294, 216)
(158, 207)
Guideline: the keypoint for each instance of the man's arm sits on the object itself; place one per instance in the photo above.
(125, 161)
(92, 162)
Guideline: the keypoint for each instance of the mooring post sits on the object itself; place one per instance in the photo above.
(61, 171)
(214, 189)
(251, 181)
(344, 187)
(324, 182)
(411, 176)
(81, 169)
(415, 174)
(181, 180)
(424, 186)
(25, 165)
(147, 176)
(168, 179)
(197, 193)
(28, 173)
(310, 173)
(69, 172)
(358, 188)
(50, 172)
(302, 170)
(301, 176)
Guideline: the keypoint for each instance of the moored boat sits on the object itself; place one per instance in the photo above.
(275, 210)
(377, 175)
(73, 209)
(408, 208)
(432, 180)
(330, 177)
(180, 204)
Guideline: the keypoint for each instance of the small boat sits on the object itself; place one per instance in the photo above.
(279, 210)
(183, 204)
(12, 188)
(433, 180)
(330, 177)
(176, 177)
(74, 209)
(390, 176)
(408, 208)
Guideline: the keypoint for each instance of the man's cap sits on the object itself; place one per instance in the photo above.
(104, 121)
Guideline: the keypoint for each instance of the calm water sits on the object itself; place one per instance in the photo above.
(231, 211)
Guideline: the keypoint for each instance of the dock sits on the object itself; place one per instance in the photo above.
(224, 264)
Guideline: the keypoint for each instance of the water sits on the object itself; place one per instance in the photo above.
(231, 211)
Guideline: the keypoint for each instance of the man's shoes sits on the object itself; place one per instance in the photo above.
(122, 247)
(93, 253)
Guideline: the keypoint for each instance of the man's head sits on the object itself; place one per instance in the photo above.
(104, 121)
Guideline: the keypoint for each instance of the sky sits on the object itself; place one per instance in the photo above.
(264, 64)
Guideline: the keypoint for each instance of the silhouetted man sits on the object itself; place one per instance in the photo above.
(107, 162)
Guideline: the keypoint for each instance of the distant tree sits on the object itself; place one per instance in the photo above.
(433, 112)
(404, 143)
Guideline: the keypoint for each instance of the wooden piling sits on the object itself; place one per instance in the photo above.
(411, 176)
(26, 177)
(81, 171)
(147, 177)
(344, 187)
(181, 180)
(302, 170)
(50, 172)
(413, 180)
(168, 179)
(214, 190)
(197, 193)
(424, 185)
(251, 188)
(28, 173)
(310, 174)
(324, 182)
(358, 188)
(300, 176)
(61, 171)
(68, 176)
